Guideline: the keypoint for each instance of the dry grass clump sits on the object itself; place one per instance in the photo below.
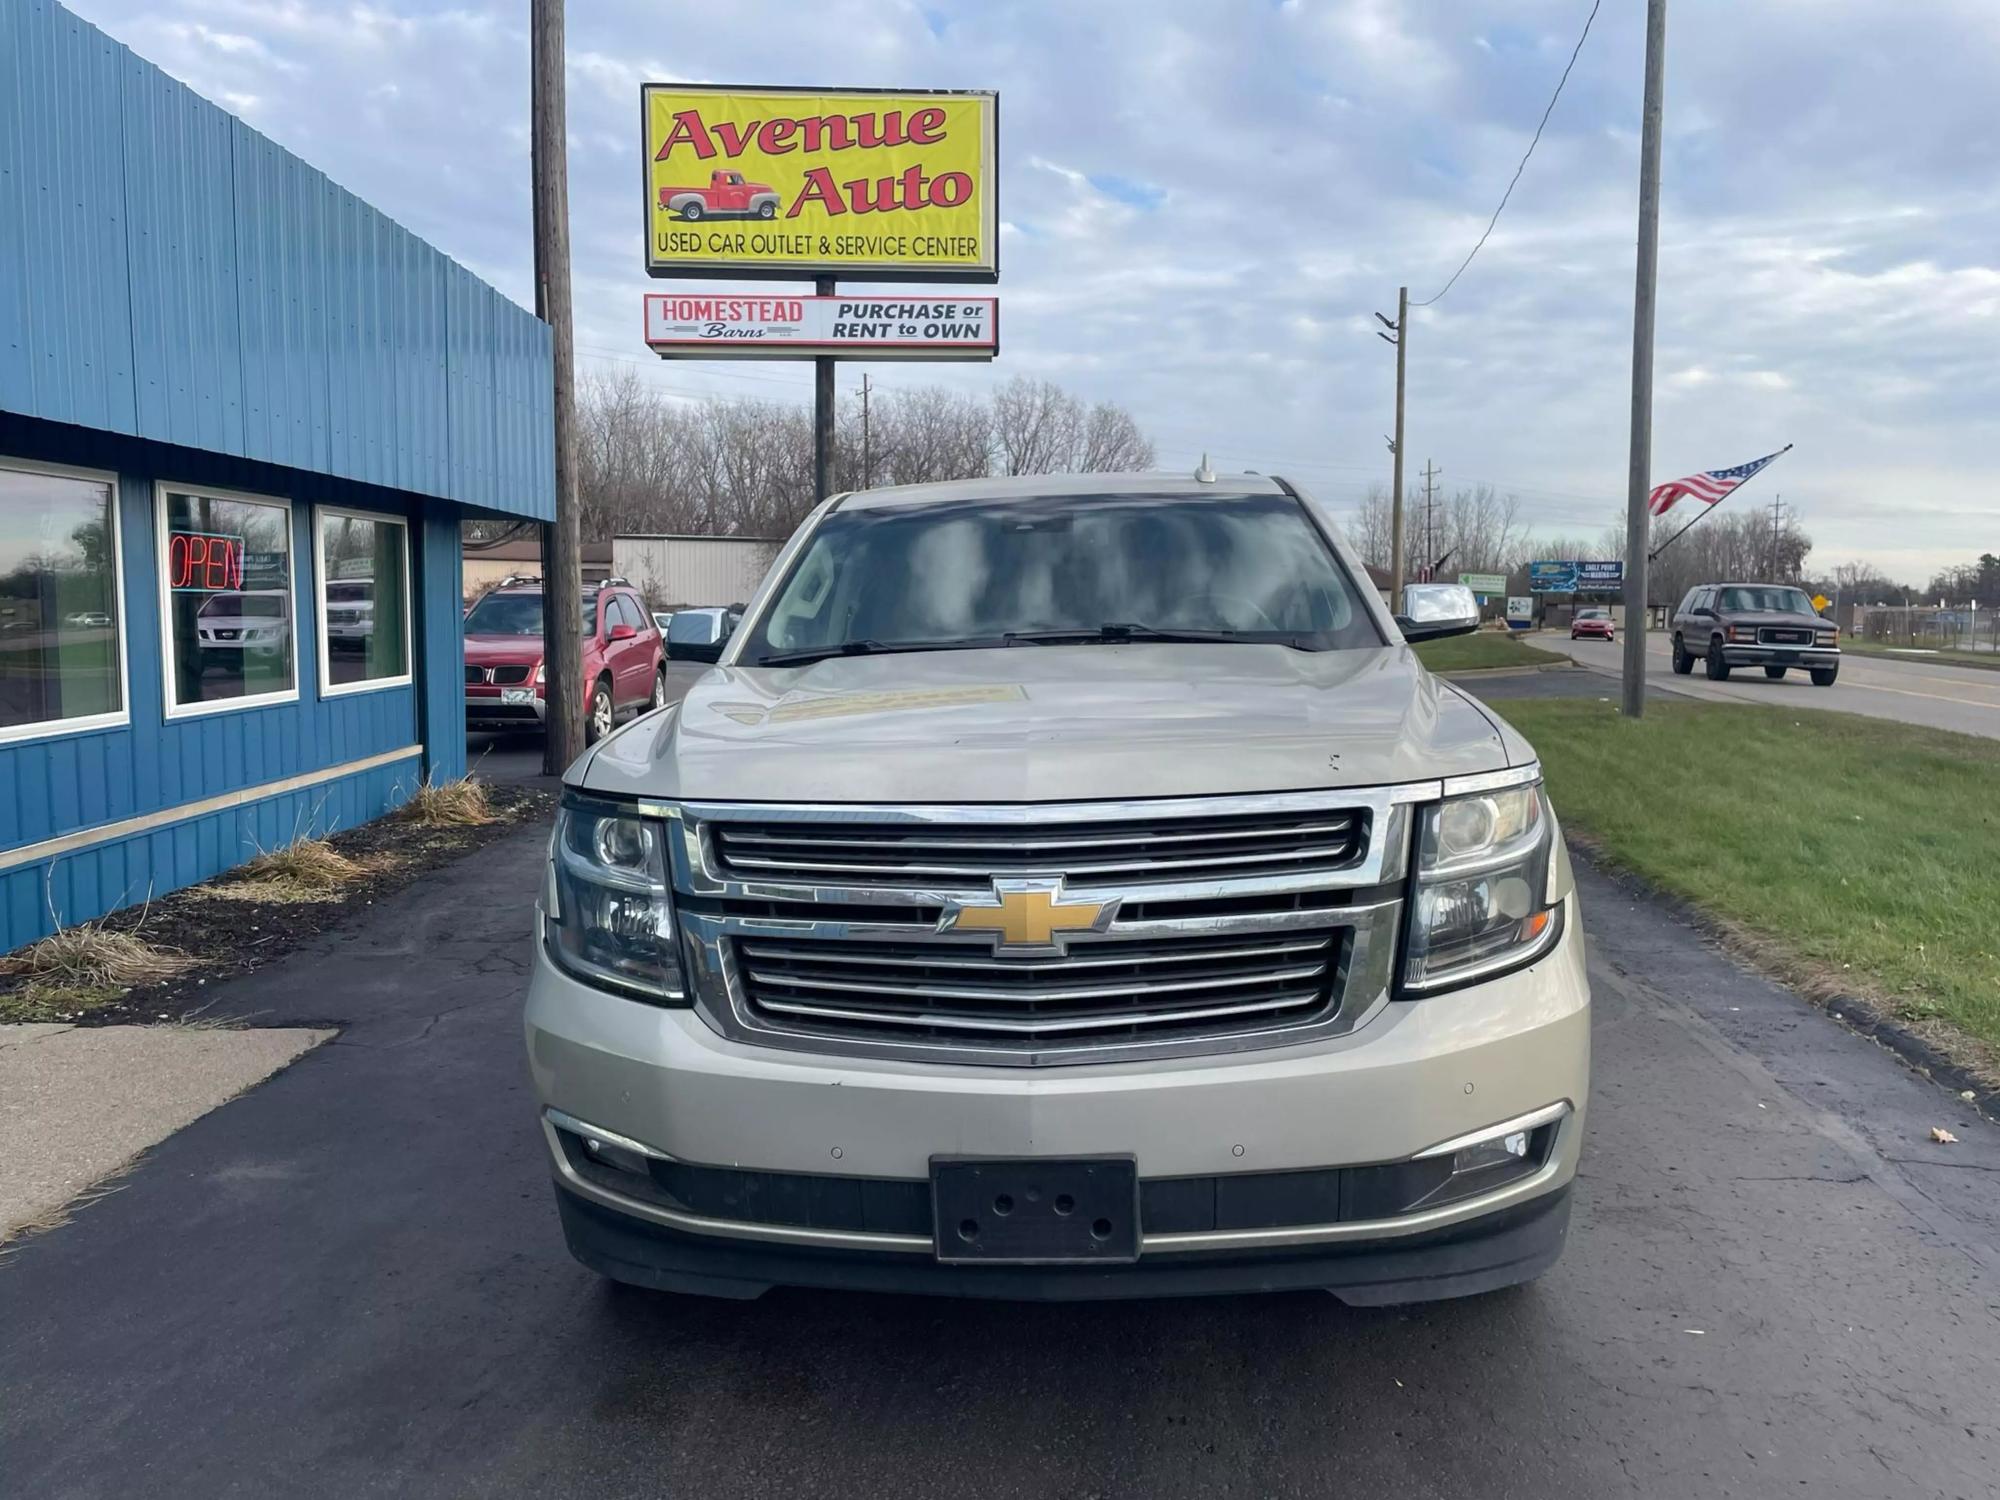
(89, 957)
(462, 803)
(307, 869)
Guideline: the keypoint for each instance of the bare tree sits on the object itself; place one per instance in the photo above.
(1036, 425)
(1111, 442)
(651, 462)
(1372, 531)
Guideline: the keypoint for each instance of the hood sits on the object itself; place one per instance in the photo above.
(492, 650)
(1784, 618)
(1054, 723)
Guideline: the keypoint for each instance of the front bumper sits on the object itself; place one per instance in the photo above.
(492, 711)
(1747, 655)
(1416, 1074)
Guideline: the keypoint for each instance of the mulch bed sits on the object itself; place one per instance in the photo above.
(239, 935)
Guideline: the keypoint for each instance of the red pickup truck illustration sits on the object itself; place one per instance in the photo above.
(727, 196)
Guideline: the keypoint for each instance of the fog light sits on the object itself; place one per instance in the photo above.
(618, 1158)
(1505, 1151)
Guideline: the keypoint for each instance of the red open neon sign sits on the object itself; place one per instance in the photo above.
(204, 562)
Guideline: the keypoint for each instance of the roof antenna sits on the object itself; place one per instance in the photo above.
(1204, 474)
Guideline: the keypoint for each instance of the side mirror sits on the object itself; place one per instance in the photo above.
(623, 632)
(1431, 610)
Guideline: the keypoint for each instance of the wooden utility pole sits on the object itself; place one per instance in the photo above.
(867, 440)
(1396, 498)
(823, 411)
(562, 571)
(1638, 478)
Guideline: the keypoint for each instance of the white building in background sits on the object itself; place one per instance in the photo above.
(677, 571)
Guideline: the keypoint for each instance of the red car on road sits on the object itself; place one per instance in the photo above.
(1592, 623)
(624, 660)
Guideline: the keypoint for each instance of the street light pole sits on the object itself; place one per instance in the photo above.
(1399, 335)
(1638, 479)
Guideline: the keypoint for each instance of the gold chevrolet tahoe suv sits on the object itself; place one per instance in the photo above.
(1064, 887)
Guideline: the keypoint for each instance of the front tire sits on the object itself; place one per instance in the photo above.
(767, 210)
(1716, 667)
(599, 721)
(1776, 674)
(1683, 663)
(1824, 676)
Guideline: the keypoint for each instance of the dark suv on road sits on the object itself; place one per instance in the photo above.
(1768, 625)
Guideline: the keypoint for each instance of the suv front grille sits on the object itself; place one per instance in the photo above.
(1124, 852)
(1784, 635)
(1213, 984)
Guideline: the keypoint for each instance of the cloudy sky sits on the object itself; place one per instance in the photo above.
(1204, 202)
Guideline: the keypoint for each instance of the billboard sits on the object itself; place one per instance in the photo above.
(1576, 577)
(700, 325)
(864, 184)
(1484, 583)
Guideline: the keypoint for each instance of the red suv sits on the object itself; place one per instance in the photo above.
(624, 661)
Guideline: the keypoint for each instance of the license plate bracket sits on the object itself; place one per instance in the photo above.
(1037, 1211)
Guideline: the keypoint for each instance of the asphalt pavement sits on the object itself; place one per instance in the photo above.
(1913, 691)
(351, 1281)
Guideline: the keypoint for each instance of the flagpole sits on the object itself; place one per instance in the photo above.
(1708, 510)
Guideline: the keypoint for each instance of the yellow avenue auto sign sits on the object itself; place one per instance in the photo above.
(799, 183)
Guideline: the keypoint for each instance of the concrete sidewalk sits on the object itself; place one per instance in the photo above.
(78, 1103)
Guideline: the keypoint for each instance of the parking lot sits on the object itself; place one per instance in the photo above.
(352, 1281)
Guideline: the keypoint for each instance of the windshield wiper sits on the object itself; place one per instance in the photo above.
(1116, 633)
(861, 648)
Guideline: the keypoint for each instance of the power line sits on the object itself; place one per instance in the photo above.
(1524, 158)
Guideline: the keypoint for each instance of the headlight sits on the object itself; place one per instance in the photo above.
(610, 917)
(541, 673)
(1828, 637)
(1484, 901)
(1743, 633)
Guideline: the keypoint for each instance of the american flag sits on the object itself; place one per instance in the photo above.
(1710, 485)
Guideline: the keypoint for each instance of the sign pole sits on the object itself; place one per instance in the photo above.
(1646, 287)
(823, 400)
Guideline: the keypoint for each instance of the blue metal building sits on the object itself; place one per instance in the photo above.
(242, 414)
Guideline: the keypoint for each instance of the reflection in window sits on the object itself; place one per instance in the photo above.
(228, 566)
(364, 573)
(58, 600)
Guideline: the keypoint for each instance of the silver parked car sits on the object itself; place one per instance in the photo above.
(1065, 887)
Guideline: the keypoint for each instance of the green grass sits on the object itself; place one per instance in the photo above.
(1862, 855)
(40, 1000)
(1479, 651)
(1985, 660)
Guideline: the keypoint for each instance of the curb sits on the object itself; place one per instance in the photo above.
(1528, 671)
(1850, 1011)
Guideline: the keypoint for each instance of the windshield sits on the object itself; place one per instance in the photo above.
(520, 614)
(1774, 600)
(1593, 614)
(1238, 568)
(357, 592)
(260, 606)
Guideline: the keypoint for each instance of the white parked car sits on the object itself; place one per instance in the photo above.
(257, 621)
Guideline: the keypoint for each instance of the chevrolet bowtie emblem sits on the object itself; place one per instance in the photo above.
(1029, 914)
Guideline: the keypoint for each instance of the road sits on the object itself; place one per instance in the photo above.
(351, 1281)
(1966, 699)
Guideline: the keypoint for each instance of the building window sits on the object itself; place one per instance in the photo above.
(364, 601)
(61, 648)
(227, 600)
